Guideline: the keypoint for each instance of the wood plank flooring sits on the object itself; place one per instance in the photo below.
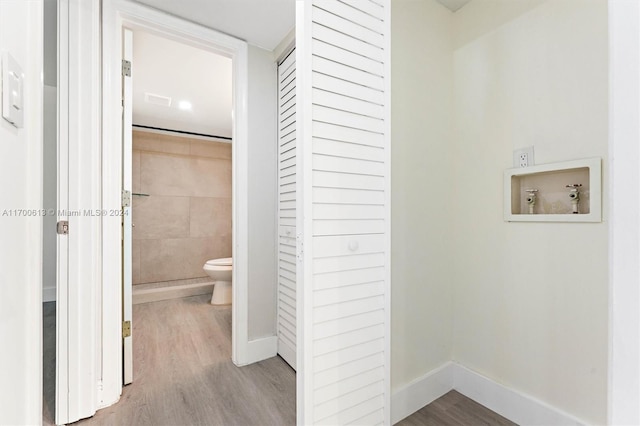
(183, 374)
(455, 409)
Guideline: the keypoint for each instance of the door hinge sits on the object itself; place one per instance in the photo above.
(63, 227)
(126, 329)
(126, 198)
(126, 68)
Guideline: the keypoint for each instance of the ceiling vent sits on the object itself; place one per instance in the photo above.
(157, 99)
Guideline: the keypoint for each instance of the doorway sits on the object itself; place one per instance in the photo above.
(177, 169)
(99, 310)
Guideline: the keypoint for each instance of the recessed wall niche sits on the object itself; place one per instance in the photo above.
(570, 191)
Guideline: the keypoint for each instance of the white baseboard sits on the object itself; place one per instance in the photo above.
(515, 406)
(420, 392)
(261, 349)
(49, 294)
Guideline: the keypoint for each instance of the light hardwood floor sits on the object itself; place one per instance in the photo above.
(455, 409)
(183, 374)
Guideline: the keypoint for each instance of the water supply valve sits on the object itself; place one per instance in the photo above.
(574, 196)
(531, 199)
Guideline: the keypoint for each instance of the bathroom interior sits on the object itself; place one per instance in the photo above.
(524, 304)
(181, 171)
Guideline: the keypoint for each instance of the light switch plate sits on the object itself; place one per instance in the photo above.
(12, 91)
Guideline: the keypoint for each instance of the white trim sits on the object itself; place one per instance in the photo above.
(387, 203)
(624, 210)
(49, 294)
(263, 348)
(78, 362)
(421, 391)
(33, 92)
(515, 406)
(117, 13)
(304, 223)
(127, 222)
(285, 46)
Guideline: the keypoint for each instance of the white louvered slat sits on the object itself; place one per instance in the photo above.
(345, 57)
(347, 42)
(347, 181)
(347, 134)
(348, 263)
(330, 163)
(348, 292)
(287, 210)
(347, 88)
(343, 388)
(352, 14)
(348, 308)
(345, 103)
(334, 374)
(329, 344)
(347, 196)
(342, 122)
(342, 279)
(343, 357)
(347, 212)
(347, 227)
(355, 412)
(345, 72)
(346, 26)
(347, 150)
(367, 6)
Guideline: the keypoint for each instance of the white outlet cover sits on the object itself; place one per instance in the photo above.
(516, 157)
(12, 91)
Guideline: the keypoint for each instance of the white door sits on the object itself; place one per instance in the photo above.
(287, 209)
(344, 147)
(78, 368)
(127, 117)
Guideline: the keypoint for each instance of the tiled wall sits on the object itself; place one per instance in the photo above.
(186, 219)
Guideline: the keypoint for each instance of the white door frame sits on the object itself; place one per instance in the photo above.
(624, 212)
(116, 14)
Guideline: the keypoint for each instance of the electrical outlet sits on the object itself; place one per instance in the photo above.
(523, 157)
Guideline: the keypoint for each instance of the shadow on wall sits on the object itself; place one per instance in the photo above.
(183, 217)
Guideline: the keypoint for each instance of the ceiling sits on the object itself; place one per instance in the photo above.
(263, 23)
(453, 4)
(160, 64)
(183, 73)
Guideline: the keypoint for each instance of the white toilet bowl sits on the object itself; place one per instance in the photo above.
(220, 271)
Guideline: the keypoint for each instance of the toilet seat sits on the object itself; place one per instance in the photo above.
(226, 261)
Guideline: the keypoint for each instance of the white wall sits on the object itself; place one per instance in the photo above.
(262, 192)
(421, 118)
(21, 242)
(531, 299)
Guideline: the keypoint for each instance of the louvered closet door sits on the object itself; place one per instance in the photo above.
(343, 129)
(287, 210)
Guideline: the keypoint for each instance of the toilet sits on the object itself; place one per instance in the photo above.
(220, 271)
